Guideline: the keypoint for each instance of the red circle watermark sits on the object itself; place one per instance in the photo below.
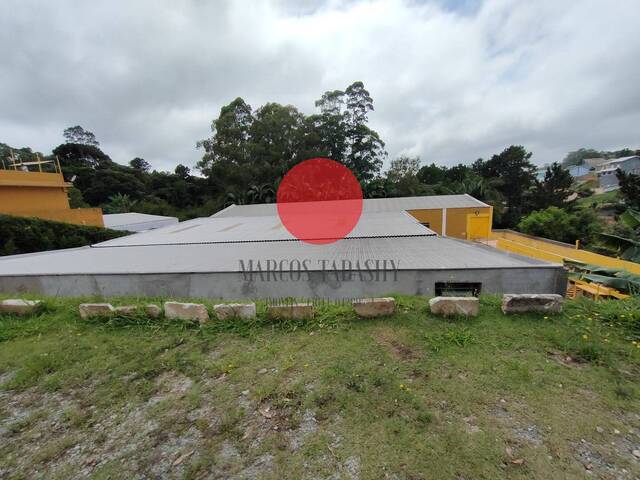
(319, 201)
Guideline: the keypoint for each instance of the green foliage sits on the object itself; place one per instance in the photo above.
(557, 224)
(26, 235)
(515, 175)
(249, 148)
(79, 135)
(120, 203)
(629, 188)
(75, 198)
(554, 189)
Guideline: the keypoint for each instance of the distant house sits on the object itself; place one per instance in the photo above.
(606, 172)
(579, 170)
(594, 162)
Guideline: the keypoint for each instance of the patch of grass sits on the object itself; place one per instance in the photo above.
(411, 395)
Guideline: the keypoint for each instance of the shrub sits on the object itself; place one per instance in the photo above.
(26, 235)
(558, 224)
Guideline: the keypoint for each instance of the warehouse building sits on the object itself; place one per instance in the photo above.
(404, 245)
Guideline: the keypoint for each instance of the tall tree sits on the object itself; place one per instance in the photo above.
(554, 189)
(275, 141)
(366, 149)
(79, 135)
(230, 134)
(403, 176)
(515, 175)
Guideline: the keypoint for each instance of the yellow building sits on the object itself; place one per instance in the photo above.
(458, 216)
(43, 195)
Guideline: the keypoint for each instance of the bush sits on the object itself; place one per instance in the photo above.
(26, 235)
(558, 224)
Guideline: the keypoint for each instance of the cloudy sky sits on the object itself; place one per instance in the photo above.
(451, 80)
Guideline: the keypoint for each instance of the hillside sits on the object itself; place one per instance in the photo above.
(407, 397)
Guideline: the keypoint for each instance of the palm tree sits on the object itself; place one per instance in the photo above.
(120, 203)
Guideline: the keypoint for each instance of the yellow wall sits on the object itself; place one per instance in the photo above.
(432, 217)
(456, 219)
(42, 195)
(15, 199)
(547, 250)
(78, 216)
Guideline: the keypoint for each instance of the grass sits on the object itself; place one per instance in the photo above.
(410, 396)
(599, 199)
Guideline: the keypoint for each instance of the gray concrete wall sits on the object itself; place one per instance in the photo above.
(329, 285)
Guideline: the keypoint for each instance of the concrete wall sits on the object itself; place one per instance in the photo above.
(330, 285)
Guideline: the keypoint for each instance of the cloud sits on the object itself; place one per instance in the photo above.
(451, 81)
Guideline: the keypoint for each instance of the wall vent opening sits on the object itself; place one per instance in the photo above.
(458, 289)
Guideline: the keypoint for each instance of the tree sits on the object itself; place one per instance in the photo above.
(403, 176)
(182, 171)
(120, 203)
(140, 164)
(629, 188)
(554, 189)
(432, 174)
(366, 149)
(514, 175)
(81, 136)
(275, 141)
(563, 226)
(230, 134)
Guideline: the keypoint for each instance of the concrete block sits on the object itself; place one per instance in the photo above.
(294, 311)
(451, 306)
(19, 306)
(375, 307)
(186, 311)
(235, 310)
(88, 310)
(526, 303)
(153, 311)
(126, 310)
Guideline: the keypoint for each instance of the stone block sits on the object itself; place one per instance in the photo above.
(153, 311)
(88, 310)
(527, 303)
(375, 307)
(235, 310)
(186, 311)
(454, 306)
(126, 310)
(19, 306)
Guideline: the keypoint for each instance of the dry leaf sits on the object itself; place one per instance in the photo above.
(517, 461)
(509, 451)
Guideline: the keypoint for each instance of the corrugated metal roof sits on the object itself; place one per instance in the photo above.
(264, 228)
(372, 205)
(133, 218)
(409, 253)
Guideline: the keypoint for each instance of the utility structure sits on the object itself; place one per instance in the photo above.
(41, 193)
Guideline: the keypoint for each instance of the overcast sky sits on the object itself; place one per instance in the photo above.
(451, 81)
